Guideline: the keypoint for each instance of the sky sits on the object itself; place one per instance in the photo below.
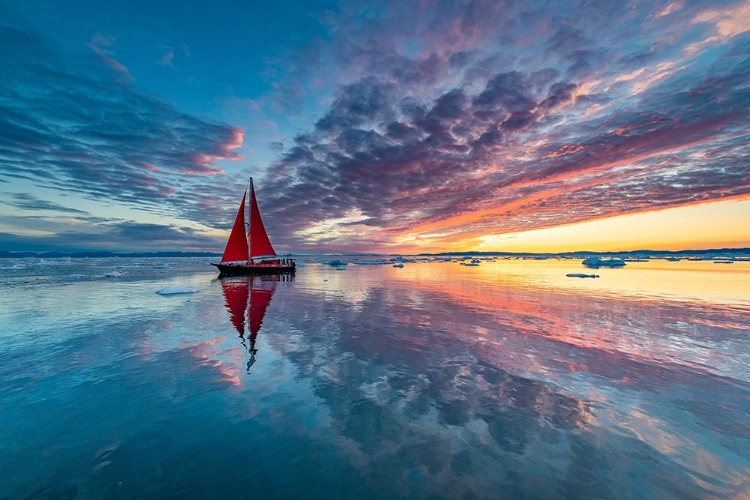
(375, 126)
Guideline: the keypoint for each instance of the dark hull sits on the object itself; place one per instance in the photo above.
(252, 269)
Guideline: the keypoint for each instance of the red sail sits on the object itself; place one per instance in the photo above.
(237, 245)
(259, 242)
(236, 294)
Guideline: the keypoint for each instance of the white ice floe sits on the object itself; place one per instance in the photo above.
(173, 290)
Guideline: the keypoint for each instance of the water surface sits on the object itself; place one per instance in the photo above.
(506, 380)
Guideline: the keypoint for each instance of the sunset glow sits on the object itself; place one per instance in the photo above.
(717, 225)
(390, 127)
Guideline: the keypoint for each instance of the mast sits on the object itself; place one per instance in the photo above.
(249, 222)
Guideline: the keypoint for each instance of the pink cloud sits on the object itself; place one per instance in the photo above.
(167, 59)
(225, 152)
(97, 44)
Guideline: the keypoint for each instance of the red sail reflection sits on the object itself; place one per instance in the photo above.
(247, 299)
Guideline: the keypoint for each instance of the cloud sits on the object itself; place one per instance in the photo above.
(26, 201)
(729, 22)
(446, 122)
(82, 233)
(100, 45)
(67, 124)
(503, 151)
(167, 59)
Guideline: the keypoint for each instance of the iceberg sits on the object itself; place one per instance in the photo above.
(401, 258)
(597, 262)
(174, 290)
(335, 263)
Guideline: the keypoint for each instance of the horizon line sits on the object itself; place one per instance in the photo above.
(64, 253)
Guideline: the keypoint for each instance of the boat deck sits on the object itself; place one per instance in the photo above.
(248, 268)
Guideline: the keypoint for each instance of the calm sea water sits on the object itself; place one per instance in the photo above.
(506, 380)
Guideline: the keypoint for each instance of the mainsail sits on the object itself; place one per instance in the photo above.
(237, 245)
(259, 242)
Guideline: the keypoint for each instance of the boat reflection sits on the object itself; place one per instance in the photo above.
(247, 298)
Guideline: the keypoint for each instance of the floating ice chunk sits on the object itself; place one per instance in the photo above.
(335, 263)
(401, 258)
(596, 262)
(173, 290)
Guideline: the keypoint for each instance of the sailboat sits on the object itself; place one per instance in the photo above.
(246, 299)
(248, 250)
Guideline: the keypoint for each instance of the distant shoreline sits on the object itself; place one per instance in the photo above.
(630, 254)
